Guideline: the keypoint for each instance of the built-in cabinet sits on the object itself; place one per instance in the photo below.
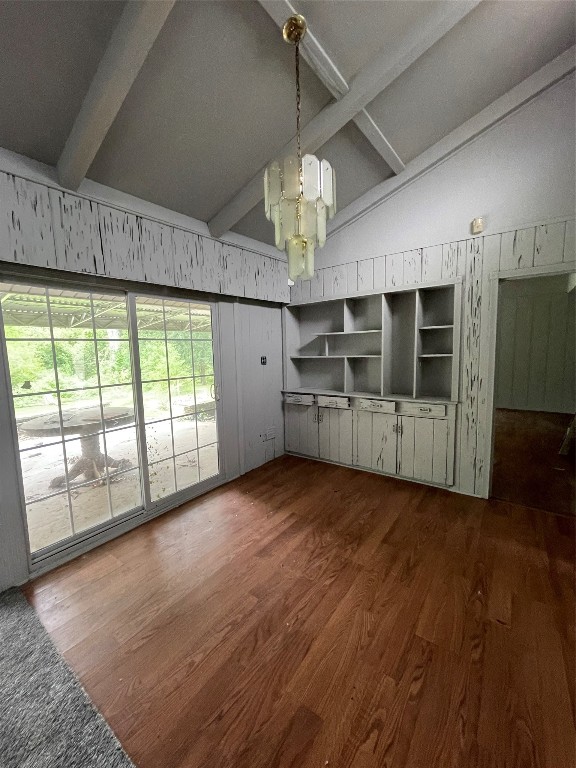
(400, 343)
(372, 381)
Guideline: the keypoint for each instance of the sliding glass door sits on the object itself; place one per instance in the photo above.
(115, 404)
(176, 359)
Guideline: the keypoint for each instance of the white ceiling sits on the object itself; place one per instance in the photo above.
(214, 99)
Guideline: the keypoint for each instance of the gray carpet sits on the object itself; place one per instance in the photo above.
(46, 718)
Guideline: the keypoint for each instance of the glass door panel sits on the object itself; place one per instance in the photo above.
(176, 357)
(71, 375)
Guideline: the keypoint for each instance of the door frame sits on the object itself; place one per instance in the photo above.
(495, 278)
(11, 480)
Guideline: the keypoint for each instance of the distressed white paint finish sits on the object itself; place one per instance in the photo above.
(380, 272)
(366, 275)
(207, 261)
(423, 449)
(335, 281)
(362, 439)
(413, 266)
(469, 379)
(432, 264)
(156, 252)
(490, 262)
(335, 434)
(440, 452)
(185, 248)
(76, 233)
(352, 270)
(449, 260)
(549, 244)
(26, 234)
(406, 452)
(384, 442)
(394, 269)
(569, 242)
(317, 285)
(120, 244)
(517, 251)
(232, 270)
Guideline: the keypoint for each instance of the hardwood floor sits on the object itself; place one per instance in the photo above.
(527, 466)
(310, 615)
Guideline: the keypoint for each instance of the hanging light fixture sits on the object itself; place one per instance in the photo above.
(299, 192)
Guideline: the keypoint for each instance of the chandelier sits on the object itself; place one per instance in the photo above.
(299, 192)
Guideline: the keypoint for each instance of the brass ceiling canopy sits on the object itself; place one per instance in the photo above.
(294, 29)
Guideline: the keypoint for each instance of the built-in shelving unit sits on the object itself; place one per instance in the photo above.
(398, 343)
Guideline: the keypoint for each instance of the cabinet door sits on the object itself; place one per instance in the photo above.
(301, 429)
(431, 450)
(309, 433)
(335, 434)
(384, 442)
(362, 439)
(406, 446)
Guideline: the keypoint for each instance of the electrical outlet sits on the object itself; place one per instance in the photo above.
(263, 360)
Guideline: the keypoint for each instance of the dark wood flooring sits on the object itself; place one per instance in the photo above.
(527, 467)
(308, 615)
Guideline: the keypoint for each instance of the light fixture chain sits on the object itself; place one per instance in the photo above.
(299, 149)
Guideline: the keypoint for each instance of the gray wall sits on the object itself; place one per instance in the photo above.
(535, 368)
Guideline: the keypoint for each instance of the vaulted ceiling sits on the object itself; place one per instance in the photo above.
(211, 99)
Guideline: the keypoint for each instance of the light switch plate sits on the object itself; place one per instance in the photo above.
(477, 226)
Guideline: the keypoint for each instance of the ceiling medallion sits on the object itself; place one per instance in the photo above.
(299, 192)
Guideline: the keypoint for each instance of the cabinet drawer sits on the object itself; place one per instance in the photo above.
(297, 399)
(421, 409)
(328, 401)
(382, 406)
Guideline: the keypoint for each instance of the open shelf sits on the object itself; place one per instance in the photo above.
(363, 313)
(401, 343)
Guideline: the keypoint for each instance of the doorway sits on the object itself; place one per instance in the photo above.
(115, 404)
(534, 397)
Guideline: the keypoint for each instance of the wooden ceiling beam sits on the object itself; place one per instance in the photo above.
(516, 97)
(329, 74)
(132, 39)
(367, 84)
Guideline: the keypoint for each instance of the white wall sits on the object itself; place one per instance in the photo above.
(101, 232)
(536, 345)
(519, 172)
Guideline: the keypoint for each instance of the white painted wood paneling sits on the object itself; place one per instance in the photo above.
(549, 244)
(432, 264)
(490, 263)
(185, 247)
(362, 439)
(517, 251)
(469, 379)
(395, 269)
(449, 260)
(208, 262)
(384, 440)
(366, 275)
(570, 242)
(232, 270)
(156, 252)
(536, 341)
(352, 271)
(26, 234)
(76, 233)
(440, 451)
(380, 272)
(413, 266)
(260, 334)
(407, 447)
(120, 244)
(335, 281)
(335, 434)
(317, 285)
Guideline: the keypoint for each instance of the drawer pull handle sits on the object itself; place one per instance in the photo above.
(425, 410)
